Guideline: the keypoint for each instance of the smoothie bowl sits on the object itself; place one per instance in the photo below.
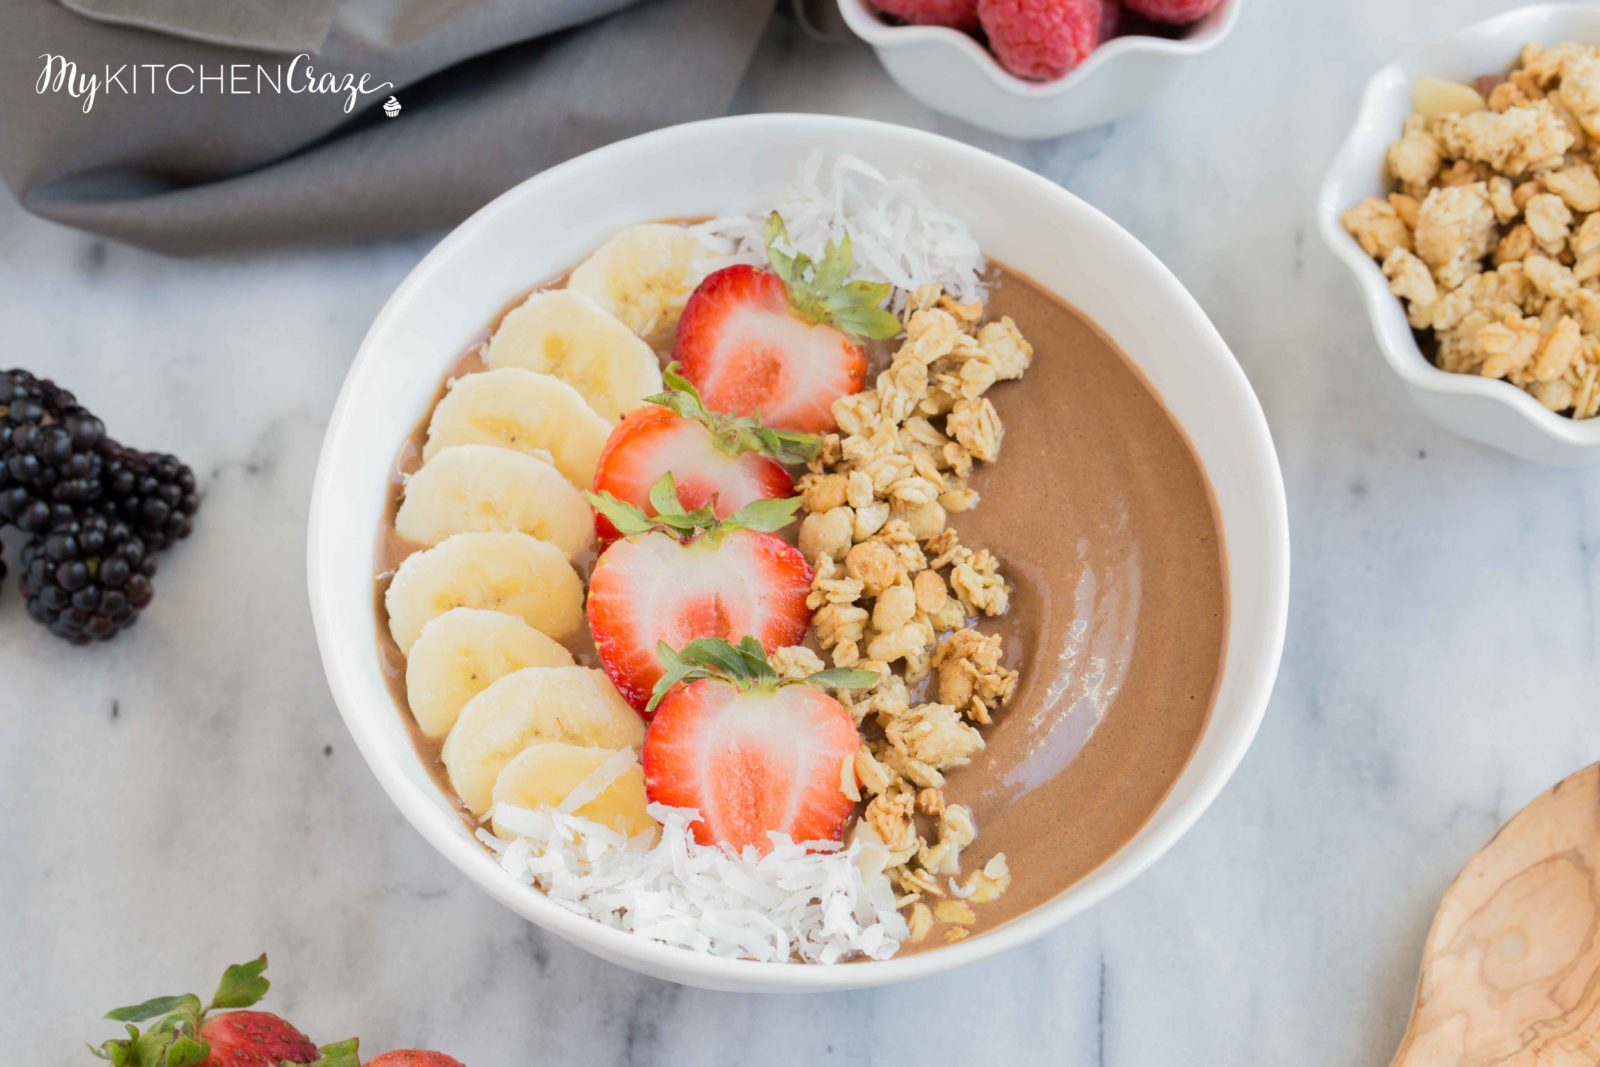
(806, 574)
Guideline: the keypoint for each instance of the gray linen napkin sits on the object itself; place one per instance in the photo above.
(488, 92)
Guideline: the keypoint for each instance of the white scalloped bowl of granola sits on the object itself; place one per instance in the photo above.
(951, 71)
(552, 220)
(1484, 409)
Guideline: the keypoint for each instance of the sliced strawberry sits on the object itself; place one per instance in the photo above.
(752, 761)
(749, 353)
(652, 440)
(782, 342)
(653, 587)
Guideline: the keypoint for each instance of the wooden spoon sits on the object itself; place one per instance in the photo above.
(1511, 968)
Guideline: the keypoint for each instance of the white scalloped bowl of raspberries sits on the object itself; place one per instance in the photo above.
(1038, 68)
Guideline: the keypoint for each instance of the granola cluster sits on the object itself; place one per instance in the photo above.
(1492, 235)
(895, 589)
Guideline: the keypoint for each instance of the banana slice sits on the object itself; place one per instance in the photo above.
(509, 572)
(564, 333)
(522, 411)
(573, 705)
(461, 653)
(551, 774)
(481, 488)
(643, 275)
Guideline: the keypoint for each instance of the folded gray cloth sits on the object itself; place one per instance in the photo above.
(191, 140)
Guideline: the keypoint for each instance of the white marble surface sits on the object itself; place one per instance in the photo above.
(187, 796)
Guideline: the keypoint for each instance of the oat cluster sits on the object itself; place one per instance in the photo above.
(1492, 235)
(895, 589)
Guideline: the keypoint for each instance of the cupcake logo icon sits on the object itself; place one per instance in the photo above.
(391, 107)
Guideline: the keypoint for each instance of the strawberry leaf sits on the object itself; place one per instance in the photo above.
(844, 678)
(138, 1013)
(242, 984)
(624, 516)
(768, 515)
(186, 1051)
(733, 435)
(819, 292)
(339, 1054)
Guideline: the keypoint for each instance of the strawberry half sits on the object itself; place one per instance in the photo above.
(734, 578)
(754, 755)
(718, 461)
(782, 344)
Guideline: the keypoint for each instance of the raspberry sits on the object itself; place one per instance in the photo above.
(1173, 12)
(1041, 39)
(1110, 19)
(957, 14)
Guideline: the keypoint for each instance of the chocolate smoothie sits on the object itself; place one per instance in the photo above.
(1104, 524)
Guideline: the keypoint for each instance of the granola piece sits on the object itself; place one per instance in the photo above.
(978, 584)
(1557, 395)
(858, 489)
(1515, 246)
(971, 674)
(1580, 89)
(1577, 185)
(1550, 277)
(889, 813)
(870, 519)
(1409, 279)
(795, 661)
(1513, 142)
(958, 499)
(952, 934)
(1505, 207)
(874, 566)
(1416, 158)
(1550, 220)
(1507, 346)
(924, 520)
(1377, 227)
(1558, 351)
(829, 586)
(930, 592)
(1586, 241)
(898, 536)
(1585, 304)
(920, 922)
(987, 884)
(903, 642)
(875, 777)
(929, 801)
(836, 624)
(895, 607)
(934, 734)
(1005, 349)
(955, 911)
(976, 426)
(827, 533)
(1455, 230)
(823, 492)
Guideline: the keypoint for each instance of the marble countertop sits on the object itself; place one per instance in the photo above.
(187, 796)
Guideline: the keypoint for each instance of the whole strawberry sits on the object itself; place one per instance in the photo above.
(957, 14)
(185, 1033)
(410, 1057)
(1041, 39)
(1173, 12)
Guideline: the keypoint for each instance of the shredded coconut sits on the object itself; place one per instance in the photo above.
(800, 902)
(898, 235)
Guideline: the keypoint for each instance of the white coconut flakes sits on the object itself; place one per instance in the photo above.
(897, 234)
(806, 902)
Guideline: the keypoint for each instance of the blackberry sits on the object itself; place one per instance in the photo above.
(87, 579)
(50, 463)
(152, 492)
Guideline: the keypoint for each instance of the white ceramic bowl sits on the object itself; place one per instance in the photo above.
(551, 221)
(1483, 409)
(951, 72)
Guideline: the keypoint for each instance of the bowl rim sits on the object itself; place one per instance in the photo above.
(1133, 858)
(1384, 309)
(859, 16)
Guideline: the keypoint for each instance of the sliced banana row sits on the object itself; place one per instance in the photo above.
(481, 612)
